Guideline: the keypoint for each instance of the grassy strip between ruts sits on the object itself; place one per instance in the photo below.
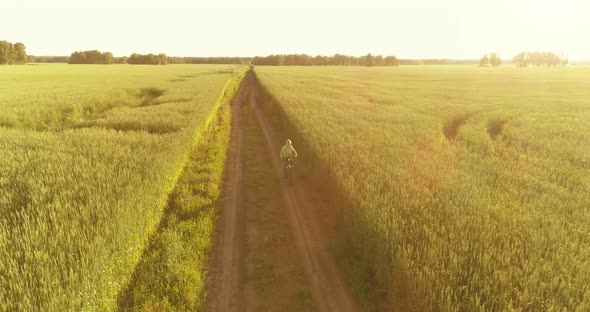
(171, 273)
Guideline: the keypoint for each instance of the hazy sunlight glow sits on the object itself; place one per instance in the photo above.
(407, 29)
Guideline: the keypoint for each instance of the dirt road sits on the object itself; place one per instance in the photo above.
(224, 289)
(237, 284)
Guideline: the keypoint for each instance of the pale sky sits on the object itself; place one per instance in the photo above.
(405, 28)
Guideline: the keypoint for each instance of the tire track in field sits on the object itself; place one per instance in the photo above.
(329, 289)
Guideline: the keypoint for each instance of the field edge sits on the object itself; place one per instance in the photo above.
(185, 228)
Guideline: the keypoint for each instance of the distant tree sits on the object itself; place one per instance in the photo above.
(301, 59)
(12, 53)
(550, 59)
(369, 60)
(339, 59)
(484, 61)
(175, 60)
(378, 60)
(390, 61)
(108, 58)
(153, 59)
(289, 60)
(534, 58)
(91, 57)
(520, 59)
(539, 59)
(257, 60)
(20, 56)
(5, 52)
(321, 60)
(163, 58)
(351, 60)
(209, 60)
(147, 59)
(78, 58)
(133, 59)
(495, 60)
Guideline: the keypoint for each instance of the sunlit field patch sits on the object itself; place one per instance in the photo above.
(88, 156)
(471, 186)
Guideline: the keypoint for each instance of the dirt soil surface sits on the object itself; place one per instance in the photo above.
(273, 240)
(224, 290)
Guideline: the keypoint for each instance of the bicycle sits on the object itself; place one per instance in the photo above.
(288, 165)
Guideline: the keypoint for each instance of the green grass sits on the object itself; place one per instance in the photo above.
(172, 271)
(88, 157)
(470, 186)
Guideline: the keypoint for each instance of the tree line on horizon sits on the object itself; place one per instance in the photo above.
(320, 60)
(209, 60)
(147, 59)
(524, 59)
(493, 59)
(16, 54)
(163, 59)
(48, 59)
(12, 54)
(241, 60)
(91, 57)
(97, 57)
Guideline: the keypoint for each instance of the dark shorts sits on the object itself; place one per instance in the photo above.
(285, 161)
(285, 164)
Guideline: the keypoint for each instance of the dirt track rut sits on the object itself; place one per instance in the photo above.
(329, 290)
(225, 286)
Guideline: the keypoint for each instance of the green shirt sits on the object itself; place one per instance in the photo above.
(287, 151)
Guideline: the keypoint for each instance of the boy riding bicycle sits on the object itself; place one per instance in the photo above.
(287, 154)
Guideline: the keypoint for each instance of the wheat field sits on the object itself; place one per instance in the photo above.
(470, 186)
(88, 157)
